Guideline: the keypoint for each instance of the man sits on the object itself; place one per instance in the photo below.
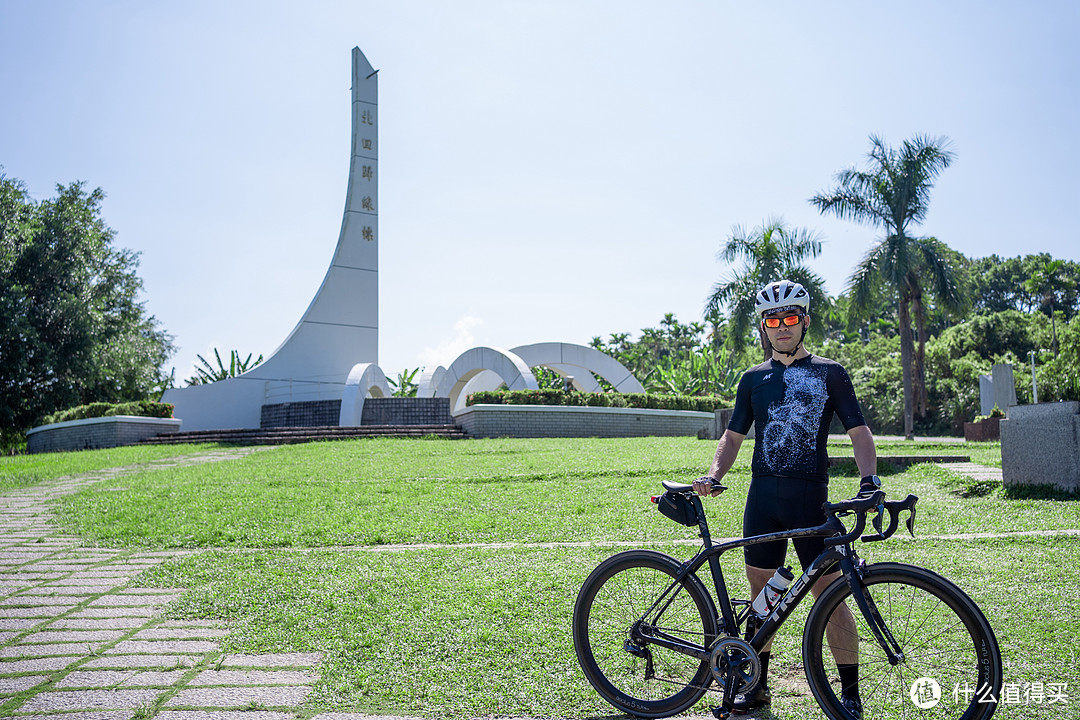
(791, 399)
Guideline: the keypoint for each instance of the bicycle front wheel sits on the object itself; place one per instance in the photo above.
(629, 599)
(950, 666)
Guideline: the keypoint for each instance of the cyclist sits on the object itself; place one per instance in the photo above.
(791, 399)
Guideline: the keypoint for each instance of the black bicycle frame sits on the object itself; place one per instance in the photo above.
(835, 554)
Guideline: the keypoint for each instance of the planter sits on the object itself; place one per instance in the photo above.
(533, 421)
(983, 430)
(97, 433)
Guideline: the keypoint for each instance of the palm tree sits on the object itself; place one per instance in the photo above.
(772, 251)
(1047, 279)
(894, 193)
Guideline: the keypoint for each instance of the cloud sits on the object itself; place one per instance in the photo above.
(446, 351)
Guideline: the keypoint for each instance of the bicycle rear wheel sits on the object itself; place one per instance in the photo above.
(951, 666)
(627, 599)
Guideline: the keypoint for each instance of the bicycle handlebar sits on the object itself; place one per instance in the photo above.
(861, 506)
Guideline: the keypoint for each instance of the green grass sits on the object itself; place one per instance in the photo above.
(458, 631)
(466, 632)
(25, 470)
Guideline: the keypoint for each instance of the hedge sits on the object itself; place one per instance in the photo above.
(141, 408)
(598, 399)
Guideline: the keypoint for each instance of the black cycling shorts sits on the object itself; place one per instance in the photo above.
(776, 504)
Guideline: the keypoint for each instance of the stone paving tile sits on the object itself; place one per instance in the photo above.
(57, 590)
(143, 661)
(144, 611)
(83, 582)
(126, 647)
(121, 678)
(51, 636)
(64, 700)
(135, 600)
(21, 600)
(220, 715)
(13, 667)
(34, 612)
(160, 633)
(86, 715)
(92, 624)
(10, 624)
(7, 635)
(232, 697)
(272, 660)
(10, 686)
(254, 677)
(169, 622)
(27, 651)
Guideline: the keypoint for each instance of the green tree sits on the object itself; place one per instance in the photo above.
(772, 251)
(1048, 280)
(893, 193)
(72, 329)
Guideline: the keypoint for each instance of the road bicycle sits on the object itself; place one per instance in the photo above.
(652, 641)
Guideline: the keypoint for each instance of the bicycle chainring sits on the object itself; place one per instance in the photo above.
(735, 657)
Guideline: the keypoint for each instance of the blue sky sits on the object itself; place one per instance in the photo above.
(548, 171)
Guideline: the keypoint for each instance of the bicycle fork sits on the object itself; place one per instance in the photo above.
(854, 570)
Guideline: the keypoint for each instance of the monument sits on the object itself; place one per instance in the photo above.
(328, 365)
(341, 325)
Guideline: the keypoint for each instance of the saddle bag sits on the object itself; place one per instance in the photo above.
(678, 507)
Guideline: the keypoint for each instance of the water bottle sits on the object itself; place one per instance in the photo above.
(770, 594)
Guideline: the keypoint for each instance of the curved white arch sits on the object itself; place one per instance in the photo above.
(365, 380)
(429, 382)
(579, 361)
(512, 369)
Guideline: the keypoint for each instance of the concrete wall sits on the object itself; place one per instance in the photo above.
(96, 433)
(563, 421)
(1040, 445)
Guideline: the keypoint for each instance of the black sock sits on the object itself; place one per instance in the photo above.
(849, 679)
(764, 657)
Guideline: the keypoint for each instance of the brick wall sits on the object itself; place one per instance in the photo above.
(407, 411)
(561, 421)
(311, 413)
(96, 433)
(377, 411)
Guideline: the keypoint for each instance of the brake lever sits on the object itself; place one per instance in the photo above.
(910, 522)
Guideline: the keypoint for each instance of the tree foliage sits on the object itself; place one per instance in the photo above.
(893, 193)
(207, 373)
(72, 328)
(772, 251)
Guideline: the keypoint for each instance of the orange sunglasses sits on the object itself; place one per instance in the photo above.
(790, 321)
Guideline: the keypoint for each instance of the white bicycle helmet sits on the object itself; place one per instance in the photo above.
(782, 294)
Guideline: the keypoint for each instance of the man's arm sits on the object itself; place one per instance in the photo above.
(862, 443)
(726, 452)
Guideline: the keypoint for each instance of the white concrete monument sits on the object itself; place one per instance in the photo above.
(332, 353)
(340, 328)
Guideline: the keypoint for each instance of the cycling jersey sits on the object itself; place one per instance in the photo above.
(792, 407)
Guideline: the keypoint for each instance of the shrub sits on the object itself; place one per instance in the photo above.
(142, 408)
(596, 399)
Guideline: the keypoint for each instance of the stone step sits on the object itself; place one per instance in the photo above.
(291, 435)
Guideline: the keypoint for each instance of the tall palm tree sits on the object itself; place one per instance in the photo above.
(1048, 279)
(893, 193)
(772, 251)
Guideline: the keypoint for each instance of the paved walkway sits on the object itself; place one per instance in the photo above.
(78, 643)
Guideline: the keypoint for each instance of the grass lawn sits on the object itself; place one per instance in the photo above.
(465, 630)
(23, 470)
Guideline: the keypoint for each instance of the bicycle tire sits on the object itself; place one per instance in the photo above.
(941, 632)
(613, 598)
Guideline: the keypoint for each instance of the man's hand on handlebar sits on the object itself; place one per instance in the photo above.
(706, 485)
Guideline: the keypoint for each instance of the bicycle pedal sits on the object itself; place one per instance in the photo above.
(720, 712)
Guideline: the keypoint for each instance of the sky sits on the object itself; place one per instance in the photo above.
(549, 171)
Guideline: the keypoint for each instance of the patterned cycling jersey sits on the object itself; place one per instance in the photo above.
(792, 408)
